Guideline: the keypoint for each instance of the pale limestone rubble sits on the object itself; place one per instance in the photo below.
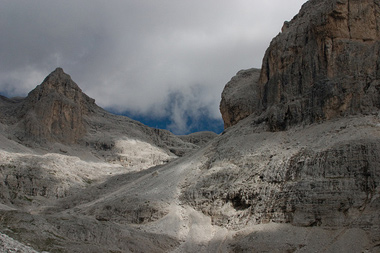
(297, 168)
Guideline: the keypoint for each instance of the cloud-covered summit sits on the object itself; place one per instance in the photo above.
(159, 59)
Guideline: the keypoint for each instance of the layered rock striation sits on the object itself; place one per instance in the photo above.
(321, 175)
(307, 152)
(324, 64)
(313, 187)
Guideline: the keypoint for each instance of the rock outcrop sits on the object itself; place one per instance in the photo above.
(313, 187)
(55, 110)
(57, 117)
(239, 97)
(319, 95)
(323, 65)
(321, 175)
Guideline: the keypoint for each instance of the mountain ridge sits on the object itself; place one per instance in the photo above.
(296, 169)
(57, 111)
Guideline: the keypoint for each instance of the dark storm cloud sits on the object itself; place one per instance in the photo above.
(136, 55)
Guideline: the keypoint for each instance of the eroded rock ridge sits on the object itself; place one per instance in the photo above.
(314, 187)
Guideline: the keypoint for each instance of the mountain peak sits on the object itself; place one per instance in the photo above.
(59, 85)
(54, 110)
(59, 70)
(59, 82)
(59, 74)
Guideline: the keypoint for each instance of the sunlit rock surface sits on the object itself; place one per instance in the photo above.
(296, 170)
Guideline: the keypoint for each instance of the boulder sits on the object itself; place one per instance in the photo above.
(239, 97)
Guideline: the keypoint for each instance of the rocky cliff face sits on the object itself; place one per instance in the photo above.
(57, 111)
(321, 175)
(319, 95)
(324, 64)
(54, 111)
(239, 96)
(314, 187)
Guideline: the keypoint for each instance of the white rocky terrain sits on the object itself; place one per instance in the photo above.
(297, 168)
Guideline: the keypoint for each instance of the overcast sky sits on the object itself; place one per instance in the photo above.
(162, 60)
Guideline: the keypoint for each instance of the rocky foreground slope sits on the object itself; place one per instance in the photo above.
(296, 170)
(57, 139)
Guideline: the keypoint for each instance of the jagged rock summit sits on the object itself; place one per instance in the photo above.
(324, 64)
(314, 186)
(58, 111)
(55, 110)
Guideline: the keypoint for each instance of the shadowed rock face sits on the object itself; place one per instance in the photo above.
(310, 188)
(54, 110)
(239, 97)
(323, 65)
